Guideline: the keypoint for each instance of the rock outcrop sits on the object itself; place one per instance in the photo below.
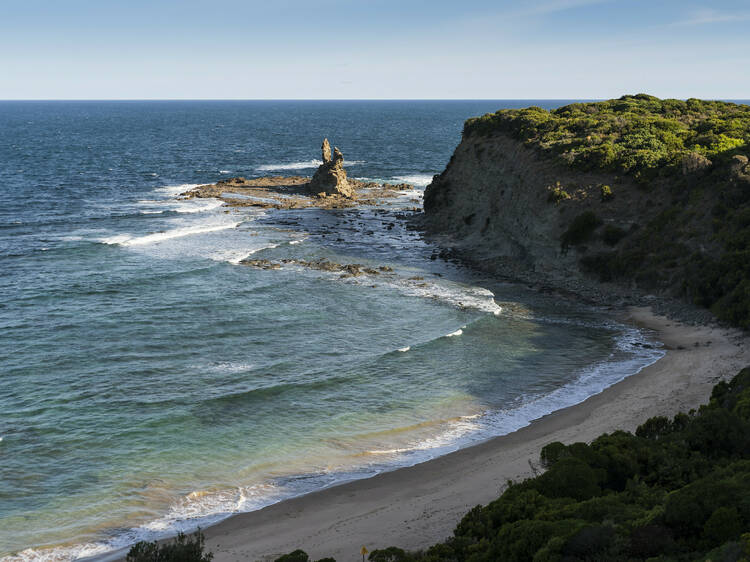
(330, 177)
(498, 200)
(505, 207)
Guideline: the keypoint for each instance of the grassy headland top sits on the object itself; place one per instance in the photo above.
(640, 135)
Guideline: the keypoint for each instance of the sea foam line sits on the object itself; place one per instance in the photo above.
(459, 296)
(307, 164)
(173, 190)
(128, 240)
(235, 257)
(417, 180)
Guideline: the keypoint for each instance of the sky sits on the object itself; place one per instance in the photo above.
(373, 49)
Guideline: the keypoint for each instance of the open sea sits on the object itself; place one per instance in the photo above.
(150, 382)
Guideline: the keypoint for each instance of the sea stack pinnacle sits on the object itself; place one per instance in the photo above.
(330, 177)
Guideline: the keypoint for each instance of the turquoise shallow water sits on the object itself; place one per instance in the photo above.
(150, 382)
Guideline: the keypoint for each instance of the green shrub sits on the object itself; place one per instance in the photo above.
(298, 555)
(557, 194)
(552, 453)
(390, 554)
(569, 477)
(640, 136)
(612, 235)
(725, 524)
(606, 193)
(182, 549)
(580, 229)
(589, 542)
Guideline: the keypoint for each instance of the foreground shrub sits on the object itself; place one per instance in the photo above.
(300, 556)
(580, 229)
(182, 549)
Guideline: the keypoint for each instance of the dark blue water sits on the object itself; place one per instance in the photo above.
(149, 381)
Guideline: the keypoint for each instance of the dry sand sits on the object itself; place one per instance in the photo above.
(417, 506)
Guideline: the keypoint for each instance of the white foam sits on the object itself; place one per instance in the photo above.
(299, 241)
(59, 554)
(127, 240)
(202, 505)
(236, 256)
(456, 295)
(460, 296)
(455, 430)
(116, 240)
(146, 212)
(196, 509)
(590, 381)
(454, 334)
(417, 180)
(197, 205)
(308, 164)
(172, 190)
(290, 166)
(404, 349)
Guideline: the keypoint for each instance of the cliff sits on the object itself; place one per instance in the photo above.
(649, 194)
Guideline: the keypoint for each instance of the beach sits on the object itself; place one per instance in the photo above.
(415, 507)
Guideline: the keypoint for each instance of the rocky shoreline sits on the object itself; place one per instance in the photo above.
(330, 188)
(292, 192)
(608, 296)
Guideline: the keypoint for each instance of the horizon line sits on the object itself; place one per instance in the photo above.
(729, 99)
(290, 99)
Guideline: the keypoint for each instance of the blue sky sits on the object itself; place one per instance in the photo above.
(338, 49)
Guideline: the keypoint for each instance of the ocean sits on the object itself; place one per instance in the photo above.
(150, 382)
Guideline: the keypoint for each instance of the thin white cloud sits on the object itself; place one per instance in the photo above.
(708, 16)
(553, 6)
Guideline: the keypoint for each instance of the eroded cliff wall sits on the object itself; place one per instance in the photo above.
(499, 200)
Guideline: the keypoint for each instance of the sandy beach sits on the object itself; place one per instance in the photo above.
(417, 506)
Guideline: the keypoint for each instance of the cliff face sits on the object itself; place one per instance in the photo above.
(645, 193)
(498, 199)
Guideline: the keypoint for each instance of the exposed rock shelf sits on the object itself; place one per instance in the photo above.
(329, 188)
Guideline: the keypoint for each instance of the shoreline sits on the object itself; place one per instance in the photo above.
(414, 507)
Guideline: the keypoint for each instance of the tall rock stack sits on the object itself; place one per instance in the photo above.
(330, 177)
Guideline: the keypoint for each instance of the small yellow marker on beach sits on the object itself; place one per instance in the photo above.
(364, 552)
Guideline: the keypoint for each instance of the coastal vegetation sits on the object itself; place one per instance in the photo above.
(676, 490)
(183, 548)
(686, 165)
(640, 135)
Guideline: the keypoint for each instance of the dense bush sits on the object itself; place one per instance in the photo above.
(300, 556)
(182, 549)
(612, 235)
(639, 135)
(580, 229)
(676, 490)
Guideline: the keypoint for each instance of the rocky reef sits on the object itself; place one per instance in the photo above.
(329, 188)
(330, 178)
